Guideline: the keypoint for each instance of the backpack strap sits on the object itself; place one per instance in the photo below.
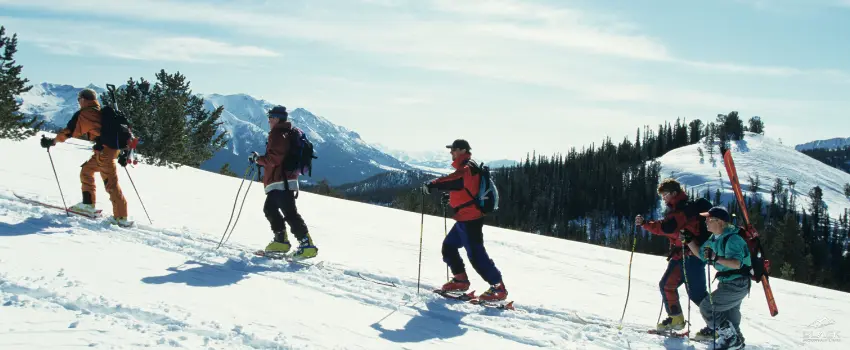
(745, 270)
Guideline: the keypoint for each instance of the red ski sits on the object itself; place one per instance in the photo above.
(472, 299)
(752, 235)
(69, 210)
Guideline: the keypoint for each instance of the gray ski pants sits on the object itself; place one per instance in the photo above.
(725, 303)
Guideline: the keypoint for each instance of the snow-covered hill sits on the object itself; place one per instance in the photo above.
(73, 282)
(343, 156)
(833, 143)
(761, 155)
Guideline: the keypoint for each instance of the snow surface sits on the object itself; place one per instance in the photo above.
(74, 282)
(762, 155)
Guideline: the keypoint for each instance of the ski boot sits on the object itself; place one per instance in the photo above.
(306, 249)
(727, 338)
(497, 292)
(84, 208)
(120, 221)
(705, 334)
(458, 283)
(279, 246)
(672, 323)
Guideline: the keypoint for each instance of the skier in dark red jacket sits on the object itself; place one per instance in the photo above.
(463, 185)
(280, 187)
(682, 217)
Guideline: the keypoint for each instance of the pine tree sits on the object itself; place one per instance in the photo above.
(756, 125)
(171, 122)
(13, 124)
(695, 131)
(847, 189)
(225, 170)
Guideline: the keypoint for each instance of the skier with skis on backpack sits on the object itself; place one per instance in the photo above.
(281, 185)
(682, 218)
(464, 186)
(728, 252)
(87, 121)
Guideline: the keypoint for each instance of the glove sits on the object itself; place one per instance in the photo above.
(686, 237)
(426, 188)
(444, 199)
(710, 255)
(122, 159)
(47, 142)
(253, 157)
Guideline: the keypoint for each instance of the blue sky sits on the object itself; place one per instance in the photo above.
(510, 76)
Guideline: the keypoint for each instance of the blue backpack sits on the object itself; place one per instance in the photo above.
(487, 199)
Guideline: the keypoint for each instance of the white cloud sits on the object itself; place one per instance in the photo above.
(129, 44)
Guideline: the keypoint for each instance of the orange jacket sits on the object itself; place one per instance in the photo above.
(86, 121)
(461, 183)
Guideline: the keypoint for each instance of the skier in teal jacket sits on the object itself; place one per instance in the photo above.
(728, 253)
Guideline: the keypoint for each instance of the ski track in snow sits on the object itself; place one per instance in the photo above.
(523, 326)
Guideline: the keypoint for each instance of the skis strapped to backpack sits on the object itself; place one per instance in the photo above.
(761, 266)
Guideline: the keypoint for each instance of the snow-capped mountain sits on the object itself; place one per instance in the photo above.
(343, 156)
(757, 154)
(833, 143)
(438, 162)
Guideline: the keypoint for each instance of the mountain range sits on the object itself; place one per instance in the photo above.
(833, 143)
(344, 157)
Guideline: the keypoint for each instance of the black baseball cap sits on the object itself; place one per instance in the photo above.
(460, 144)
(718, 212)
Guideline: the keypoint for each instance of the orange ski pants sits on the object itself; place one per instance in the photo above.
(104, 163)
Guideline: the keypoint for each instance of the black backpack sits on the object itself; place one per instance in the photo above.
(693, 208)
(300, 157)
(115, 130)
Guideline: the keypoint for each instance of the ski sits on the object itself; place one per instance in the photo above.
(69, 210)
(472, 299)
(287, 257)
(670, 334)
(752, 234)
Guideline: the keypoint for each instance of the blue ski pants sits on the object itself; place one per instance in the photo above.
(468, 234)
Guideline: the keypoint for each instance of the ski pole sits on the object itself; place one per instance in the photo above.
(629, 288)
(421, 233)
(236, 200)
(711, 300)
(57, 179)
(687, 287)
(244, 197)
(137, 195)
(446, 230)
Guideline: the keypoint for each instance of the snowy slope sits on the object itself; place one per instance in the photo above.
(344, 156)
(437, 162)
(74, 282)
(833, 143)
(762, 155)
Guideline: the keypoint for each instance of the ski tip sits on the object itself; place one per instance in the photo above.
(509, 306)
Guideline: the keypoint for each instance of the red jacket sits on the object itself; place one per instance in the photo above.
(276, 149)
(458, 183)
(675, 221)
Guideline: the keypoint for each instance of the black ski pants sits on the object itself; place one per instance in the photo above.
(278, 201)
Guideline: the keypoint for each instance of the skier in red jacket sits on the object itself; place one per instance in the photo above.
(682, 217)
(463, 185)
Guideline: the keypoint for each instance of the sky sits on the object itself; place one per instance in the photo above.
(512, 77)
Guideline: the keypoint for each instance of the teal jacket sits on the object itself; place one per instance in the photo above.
(736, 248)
